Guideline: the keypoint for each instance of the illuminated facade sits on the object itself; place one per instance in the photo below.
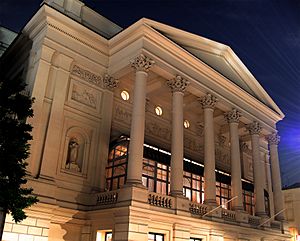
(149, 133)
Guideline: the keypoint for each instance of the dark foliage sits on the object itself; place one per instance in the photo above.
(15, 108)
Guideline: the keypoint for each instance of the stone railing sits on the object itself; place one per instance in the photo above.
(197, 208)
(228, 215)
(159, 200)
(106, 198)
(276, 225)
(254, 220)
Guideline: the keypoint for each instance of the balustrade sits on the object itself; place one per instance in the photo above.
(159, 200)
(228, 215)
(197, 208)
(106, 198)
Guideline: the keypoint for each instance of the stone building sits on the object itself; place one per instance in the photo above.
(143, 133)
(292, 209)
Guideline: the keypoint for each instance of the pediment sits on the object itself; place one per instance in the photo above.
(217, 56)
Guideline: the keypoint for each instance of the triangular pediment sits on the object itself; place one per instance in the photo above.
(218, 57)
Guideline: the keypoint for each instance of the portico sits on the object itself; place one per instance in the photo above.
(173, 134)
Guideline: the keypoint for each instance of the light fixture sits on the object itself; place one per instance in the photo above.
(186, 124)
(125, 95)
(158, 110)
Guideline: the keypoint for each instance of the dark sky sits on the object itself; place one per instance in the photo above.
(265, 34)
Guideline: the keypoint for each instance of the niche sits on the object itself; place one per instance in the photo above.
(76, 150)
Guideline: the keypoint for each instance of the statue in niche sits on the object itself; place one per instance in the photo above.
(73, 152)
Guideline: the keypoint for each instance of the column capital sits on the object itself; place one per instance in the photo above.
(110, 82)
(178, 84)
(233, 116)
(142, 63)
(254, 128)
(208, 101)
(273, 138)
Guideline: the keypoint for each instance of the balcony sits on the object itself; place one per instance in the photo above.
(168, 204)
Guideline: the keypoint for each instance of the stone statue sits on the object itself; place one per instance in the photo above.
(73, 151)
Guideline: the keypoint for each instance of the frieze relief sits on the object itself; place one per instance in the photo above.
(122, 114)
(87, 76)
(156, 129)
(84, 95)
(222, 157)
(193, 144)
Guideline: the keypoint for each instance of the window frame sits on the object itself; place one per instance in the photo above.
(155, 235)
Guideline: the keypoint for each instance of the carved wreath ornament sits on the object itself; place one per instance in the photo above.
(110, 82)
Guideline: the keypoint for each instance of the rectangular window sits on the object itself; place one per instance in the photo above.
(155, 237)
(193, 187)
(195, 239)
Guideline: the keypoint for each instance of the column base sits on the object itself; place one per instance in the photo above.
(280, 217)
(177, 193)
(210, 202)
(238, 208)
(261, 214)
(134, 183)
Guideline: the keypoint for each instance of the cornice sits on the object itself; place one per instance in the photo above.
(191, 63)
(49, 17)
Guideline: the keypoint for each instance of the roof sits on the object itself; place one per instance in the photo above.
(219, 57)
(295, 185)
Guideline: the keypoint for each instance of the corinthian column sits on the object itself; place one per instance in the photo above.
(177, 86)
(233, 118)
(208, 104)
(273, 140)
(141, 64)
(258, 170)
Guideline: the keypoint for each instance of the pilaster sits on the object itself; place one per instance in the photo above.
(109, 83)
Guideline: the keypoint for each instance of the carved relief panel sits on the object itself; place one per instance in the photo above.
(84, 97)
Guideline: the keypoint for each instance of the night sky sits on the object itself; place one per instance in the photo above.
(265, 34)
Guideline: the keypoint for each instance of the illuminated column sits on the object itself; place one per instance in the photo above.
(233, 118)
(208, 104)
(141, 64)
(178, 86)
(273, 140)
(258, 169)
(109, 83)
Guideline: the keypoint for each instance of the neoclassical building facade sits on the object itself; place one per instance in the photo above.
(143, 133)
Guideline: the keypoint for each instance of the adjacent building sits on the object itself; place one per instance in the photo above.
(143, 133)
(292, 211)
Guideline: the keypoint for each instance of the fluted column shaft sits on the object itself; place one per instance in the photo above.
(236, 181)
(208, 104)
(135, 160)
(260, 210)
(273, 140)
(177, 85)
